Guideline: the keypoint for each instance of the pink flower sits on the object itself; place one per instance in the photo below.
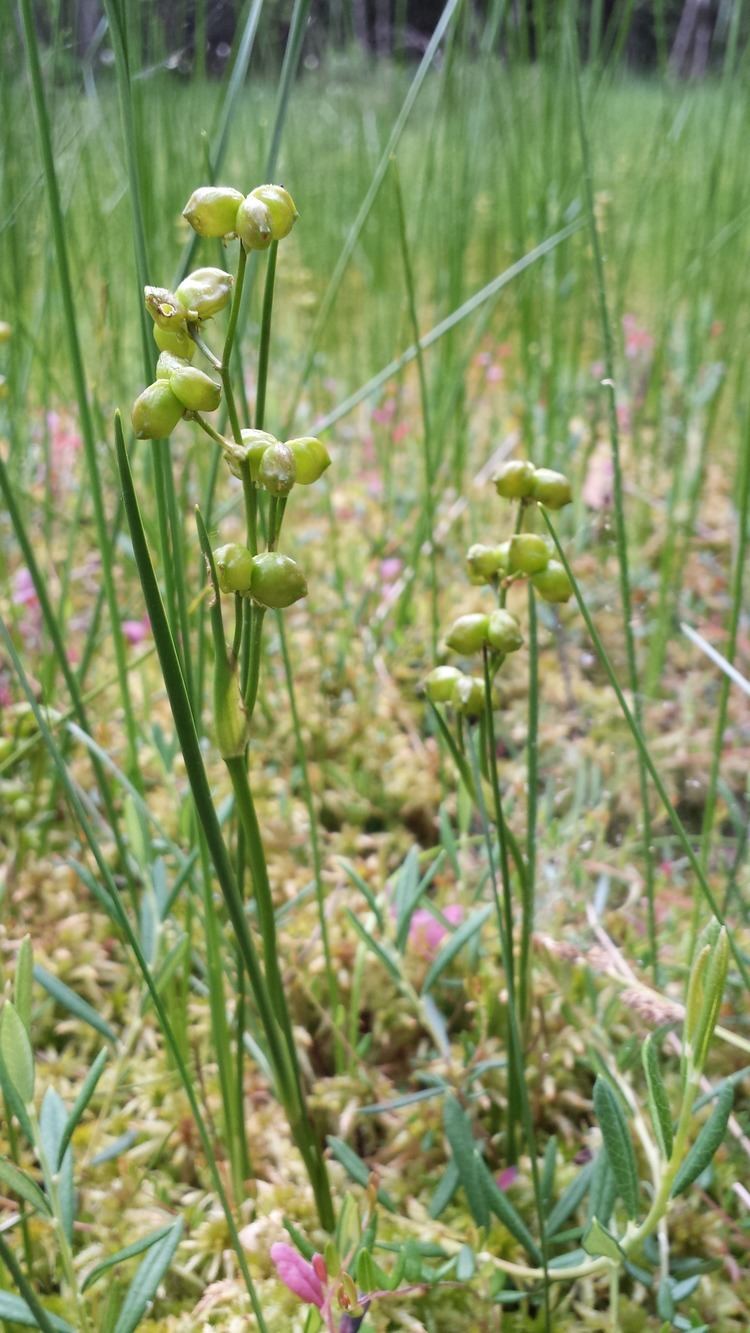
(400, 432)
(24, 592)
(385, 412)
(297, 1274)
(493, 374)
(507, 1177)
(135, 631)
(390, 568)
(426, 933)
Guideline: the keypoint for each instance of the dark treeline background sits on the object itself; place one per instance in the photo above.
(689, 37)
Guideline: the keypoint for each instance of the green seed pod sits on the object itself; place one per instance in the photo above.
(254, 445)
(234, 567)
(484, 563)
(253, 224)
(528, 553)
(277, 469)
(156, 412)
(196, 391)
(5, 331)
(551, 489)
(211, 210)
(177, 341)
(311, 458)
(553, 583)
(504, 632)
(468, 634)
(438, 686)
(514, 479)
(164, 309)
(468, 696)
(281, 209)
(277, 580)
(168, 363)
(205, 292)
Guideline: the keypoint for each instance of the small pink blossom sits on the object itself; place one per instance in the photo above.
(135, 631)
(390, 568)
(426, 933)
(299, 1275)
(400, 432)
(385, 412)
(24, 592)
(507, 1177)
(493, 374)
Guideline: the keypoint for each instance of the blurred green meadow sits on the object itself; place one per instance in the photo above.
(446, 195)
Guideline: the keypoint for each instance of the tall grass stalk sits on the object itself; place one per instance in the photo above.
(608, 347)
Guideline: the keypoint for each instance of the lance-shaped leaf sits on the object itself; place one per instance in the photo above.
(658, 1101)
(142, 1289)
(618, 1143)
(459, 1134)
(600, 1242)
(707, 1142)
(16, 1052)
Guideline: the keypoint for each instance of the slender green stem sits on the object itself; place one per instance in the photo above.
(516, 1061)
(226, 357)
(333, 990)
(265, 338)
(645, 755)
(618, 496)
(52, 1184)
(532, 781)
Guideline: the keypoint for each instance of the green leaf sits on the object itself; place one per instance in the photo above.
(618, 1143)
(142, 1289)
(454, 945)
(16, 1311)
(466, 1155)
(603, 1189)
(356, 1168)
(466, 1264)
(445, 1189)
(707, 1142)
(380, 951)
(410, 901)
(19, 1183)
(17, 1055)
(658, 1100)
(569, 1199)
(68, 999)
(510, 1218)
(129, 1252)
(22, 982)
(364, 889)
(81, 1102)
(53, 1118)
(598, 1241)
(548, 1171)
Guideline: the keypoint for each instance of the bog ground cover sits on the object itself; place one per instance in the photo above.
(373, 696)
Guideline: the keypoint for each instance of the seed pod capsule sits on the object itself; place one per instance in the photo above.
(553, 583)
(196, 391)
(156, 412)
(484, 563)
(277, 580)
(204, 292)
(468, 696)
(514, 479)
(177, 341)
(281, 209)
(551, 488)
(504, 632)
(168, 363)
(165, 309)
(211, 210)
(311, 458)
(267, 214)
(234, 567)
(468, 634)
(277, 470)
(528, 553)
(438, 686)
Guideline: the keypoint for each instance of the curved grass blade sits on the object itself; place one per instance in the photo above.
(455, 944)
(509, 1216)
(129, 1252)
(81, 1102)
(27, 1311)
(27, 1189)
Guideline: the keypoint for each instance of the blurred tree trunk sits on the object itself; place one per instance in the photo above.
(692, 43)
